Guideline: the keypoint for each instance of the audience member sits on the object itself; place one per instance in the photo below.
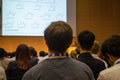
(33, 54)
(104, 51)
(17, 68)
(113, 54)
(86, 41)
(3, 60)
(58, 37)
(2, 74)
(96, 52)
(42, 53)
(42, 56)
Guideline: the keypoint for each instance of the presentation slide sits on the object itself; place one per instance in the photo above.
(31, 17)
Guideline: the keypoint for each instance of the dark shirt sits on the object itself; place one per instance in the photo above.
(34, 61)
(95, 64)
(13, 72)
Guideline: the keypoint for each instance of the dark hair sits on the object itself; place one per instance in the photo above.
(2, 53)
(23, 56)
(113, 46)
(42, 53)
(104, 48)
(86, 39)
(103, 54)
(58, 36)
(32, 51)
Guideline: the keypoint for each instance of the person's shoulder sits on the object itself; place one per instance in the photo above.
(98, 61)
(2, 74)
(1, 69)
(35, 70)
(79, 64)
(111, 70)
(82, 67)
(12, 64)
(76, 61)
(38, 66)
(105, 73)
(110, 73)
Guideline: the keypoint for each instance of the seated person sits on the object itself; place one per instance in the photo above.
(86, 41)
(23, 62)
(113, 54)
(33, 54)
(96, 52)
(3, 60)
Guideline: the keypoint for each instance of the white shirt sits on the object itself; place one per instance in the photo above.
(112, 73)
(42, 58)
(2, 74)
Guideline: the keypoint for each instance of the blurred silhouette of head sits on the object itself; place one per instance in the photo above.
(2, 53)
(23, 57)
(86, 39)
(111, 47)
(58, 36)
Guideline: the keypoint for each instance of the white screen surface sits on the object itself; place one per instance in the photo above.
(31, 17)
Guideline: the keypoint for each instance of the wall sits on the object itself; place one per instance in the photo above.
(99, 16)
(10, 43)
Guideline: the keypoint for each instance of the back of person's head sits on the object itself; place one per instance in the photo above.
(2, 53)
(33, 52)
(96, 47)
(104, 48)
(86, 39)
(103, 52)
(42, 53)
(23, 56)
(110, 46)
(113, 46)
(58, 36)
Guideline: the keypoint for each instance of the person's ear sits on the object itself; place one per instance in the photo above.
(111, 59)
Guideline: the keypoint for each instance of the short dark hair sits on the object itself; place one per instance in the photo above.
(86, 39)
(42, 53)
(104, 48)
(32, 51)
(2, 53)
(113, 46)
(58, 36)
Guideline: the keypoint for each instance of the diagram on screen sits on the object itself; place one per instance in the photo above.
(31, 17)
